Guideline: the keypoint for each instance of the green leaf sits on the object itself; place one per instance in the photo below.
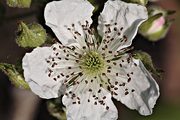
(19, 3)
(31, 35)
(15, 77)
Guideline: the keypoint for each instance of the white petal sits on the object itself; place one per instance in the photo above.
(64, 14)
(133, 85)
(116, 15)
(89, 105)
(35, 73)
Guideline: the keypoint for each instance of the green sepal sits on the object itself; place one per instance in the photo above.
(56, 108)
(148, 63)
(95, 4)
(19, 3)
(31, 35)
(15, 76)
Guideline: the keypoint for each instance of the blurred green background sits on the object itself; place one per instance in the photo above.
(16, 104)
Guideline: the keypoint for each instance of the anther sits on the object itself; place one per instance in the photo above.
(108, 61)
(86, 81)
(103, 74)
(135, 64)
(107, 108)
(120, 65)
(90, 90)
(72, 25)
(110, 52)
(66, 59)
(67, 76)
(129, 79)
(95, 103)
(116, 88)
(126, 93)
(115, 29)
(84, 47)
(114, 63)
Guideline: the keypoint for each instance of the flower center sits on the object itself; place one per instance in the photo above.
(92, 63)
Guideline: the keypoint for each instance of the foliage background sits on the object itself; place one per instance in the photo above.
(16, 104)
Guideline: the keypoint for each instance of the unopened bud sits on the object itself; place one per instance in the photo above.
(157, 25)
(32, 35)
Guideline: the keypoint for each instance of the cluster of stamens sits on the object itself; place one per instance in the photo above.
(92, 64)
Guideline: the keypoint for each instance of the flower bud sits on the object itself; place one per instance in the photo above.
(141, 2)
(14, 76)
(19, 3)
(32, 35)
(157, 25)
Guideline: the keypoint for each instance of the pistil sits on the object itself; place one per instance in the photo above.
(92, 63)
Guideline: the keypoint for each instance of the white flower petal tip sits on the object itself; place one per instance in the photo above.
(133, 85)
(67, 15)
(89, 107)
(151, 94)
(35, 72)
(120, 20)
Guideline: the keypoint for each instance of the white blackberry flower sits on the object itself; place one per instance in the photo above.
(87, 70)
